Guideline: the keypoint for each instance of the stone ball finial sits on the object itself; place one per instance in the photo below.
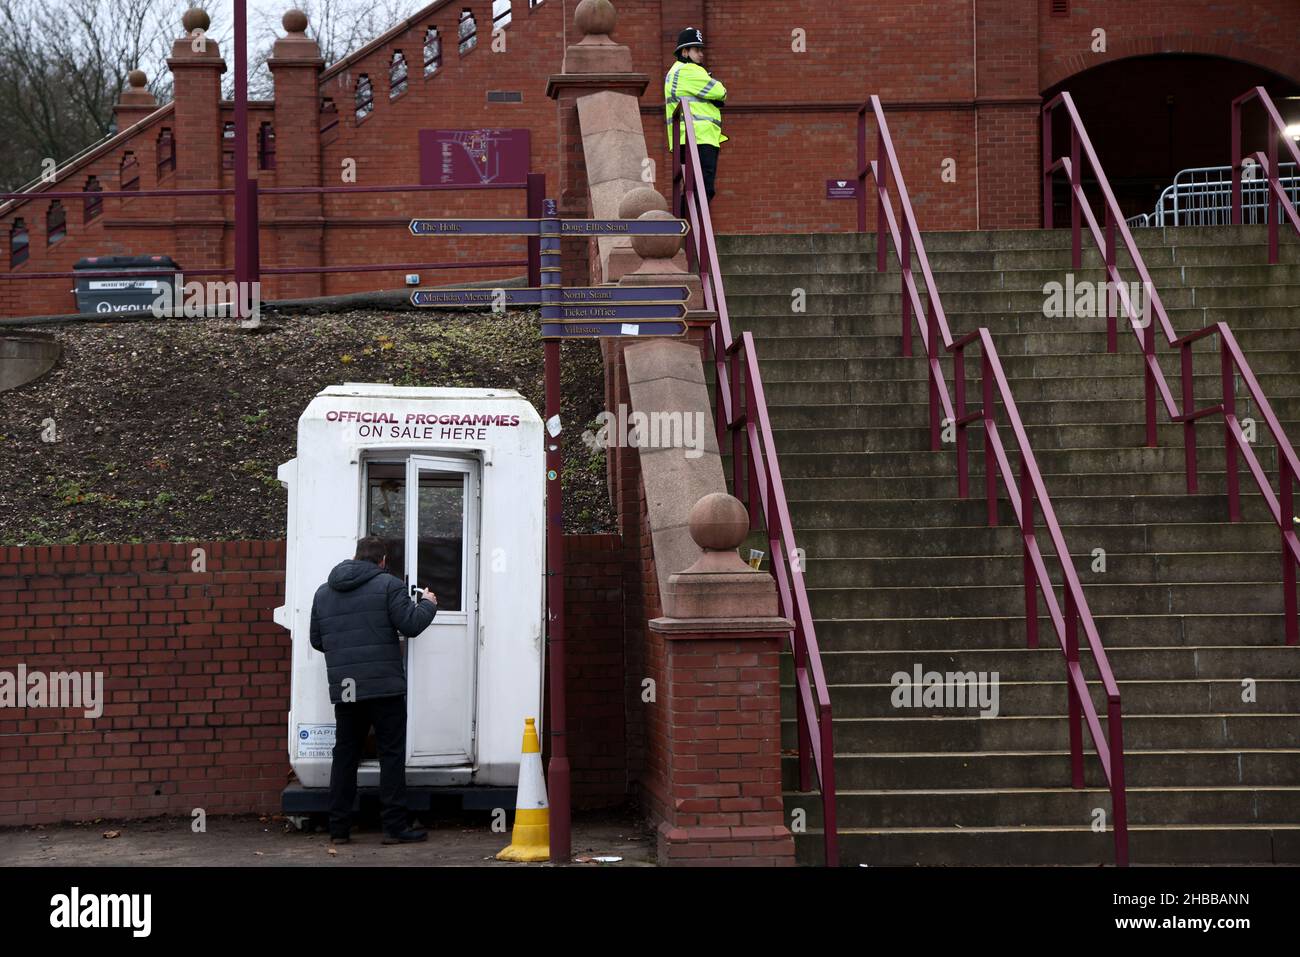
(719, 522)
(137, 79)
(294, 21)
(595, 17)
(636, 202)
(196, 18)
(656, 247)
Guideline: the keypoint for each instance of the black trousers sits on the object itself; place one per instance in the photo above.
(708, 167)
(352, 723)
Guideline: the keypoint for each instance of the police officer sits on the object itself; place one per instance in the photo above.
(688, 78)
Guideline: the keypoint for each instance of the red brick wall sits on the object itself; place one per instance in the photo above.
(196, 678)
(970, 78)
(593, 618)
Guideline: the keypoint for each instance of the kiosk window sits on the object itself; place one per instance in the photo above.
(386, 511)
(440, 527)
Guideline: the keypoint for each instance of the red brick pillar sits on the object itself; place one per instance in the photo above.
(136, 102)
(716, 758)
(196, 66)
(593, 64)
(299, 223)
(1007, 104)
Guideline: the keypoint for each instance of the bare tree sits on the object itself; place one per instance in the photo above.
(64, 63)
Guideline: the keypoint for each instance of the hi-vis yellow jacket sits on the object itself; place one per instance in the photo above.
(690, 79)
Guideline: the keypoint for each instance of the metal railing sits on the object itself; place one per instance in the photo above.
(1025, 493)
(740, 410)
(1202, 196)
(1274, 132)
(1143, 323)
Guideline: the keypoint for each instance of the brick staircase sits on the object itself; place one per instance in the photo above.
(902, 573)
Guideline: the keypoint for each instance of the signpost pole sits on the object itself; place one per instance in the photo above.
(552, 311)
(536, 195)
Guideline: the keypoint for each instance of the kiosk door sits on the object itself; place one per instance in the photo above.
(442, 497)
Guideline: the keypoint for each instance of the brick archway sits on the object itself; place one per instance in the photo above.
(1059, 70)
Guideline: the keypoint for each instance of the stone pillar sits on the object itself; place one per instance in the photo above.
(593, 64)
(135, 103)
(196, 66)
(299, 225)
(719, 704)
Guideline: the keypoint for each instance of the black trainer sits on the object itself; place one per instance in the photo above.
(406, 837)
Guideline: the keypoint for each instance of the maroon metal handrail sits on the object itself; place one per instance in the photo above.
(1232, 359)
(741, 410)
(1024, 494)
(534, 186)
(1274, 131)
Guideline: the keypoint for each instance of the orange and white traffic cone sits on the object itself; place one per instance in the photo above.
(531, 838)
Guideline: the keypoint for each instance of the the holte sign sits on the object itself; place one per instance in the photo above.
(473, 157)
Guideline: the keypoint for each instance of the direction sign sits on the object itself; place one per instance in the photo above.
(532, 296)
(595, 330)
(626, 227)
(626, 311)
(476, 227)
(533, 227)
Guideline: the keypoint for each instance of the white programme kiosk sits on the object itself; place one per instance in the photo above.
(453, 480)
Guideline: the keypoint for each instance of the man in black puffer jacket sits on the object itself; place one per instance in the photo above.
(355, 618)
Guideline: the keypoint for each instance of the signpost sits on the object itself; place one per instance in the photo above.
(528, 296)
(535, 227)
(578, 312)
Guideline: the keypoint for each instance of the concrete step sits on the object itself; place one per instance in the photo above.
(1070, 510)
(915, 436)
(1047, 662)
(1050, 732)
(1007, 568)
(962, 280)
(1008, 631)
(1103, 597)
(1048, 846)
(884, 488)
(1097, 462)
(945, 239)
(1062, 807)
(1175, 767)
(1047, 341)
(754, 259)
(779, 366)
(747, 292)
(1032, 412)
(824, 544)
(1017, 698)
(1207, 387)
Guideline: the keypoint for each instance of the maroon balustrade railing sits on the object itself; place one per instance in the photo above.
(1143, 323)
(249, 264)
(740, 410)
(1274, 133)
(1026, 494)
